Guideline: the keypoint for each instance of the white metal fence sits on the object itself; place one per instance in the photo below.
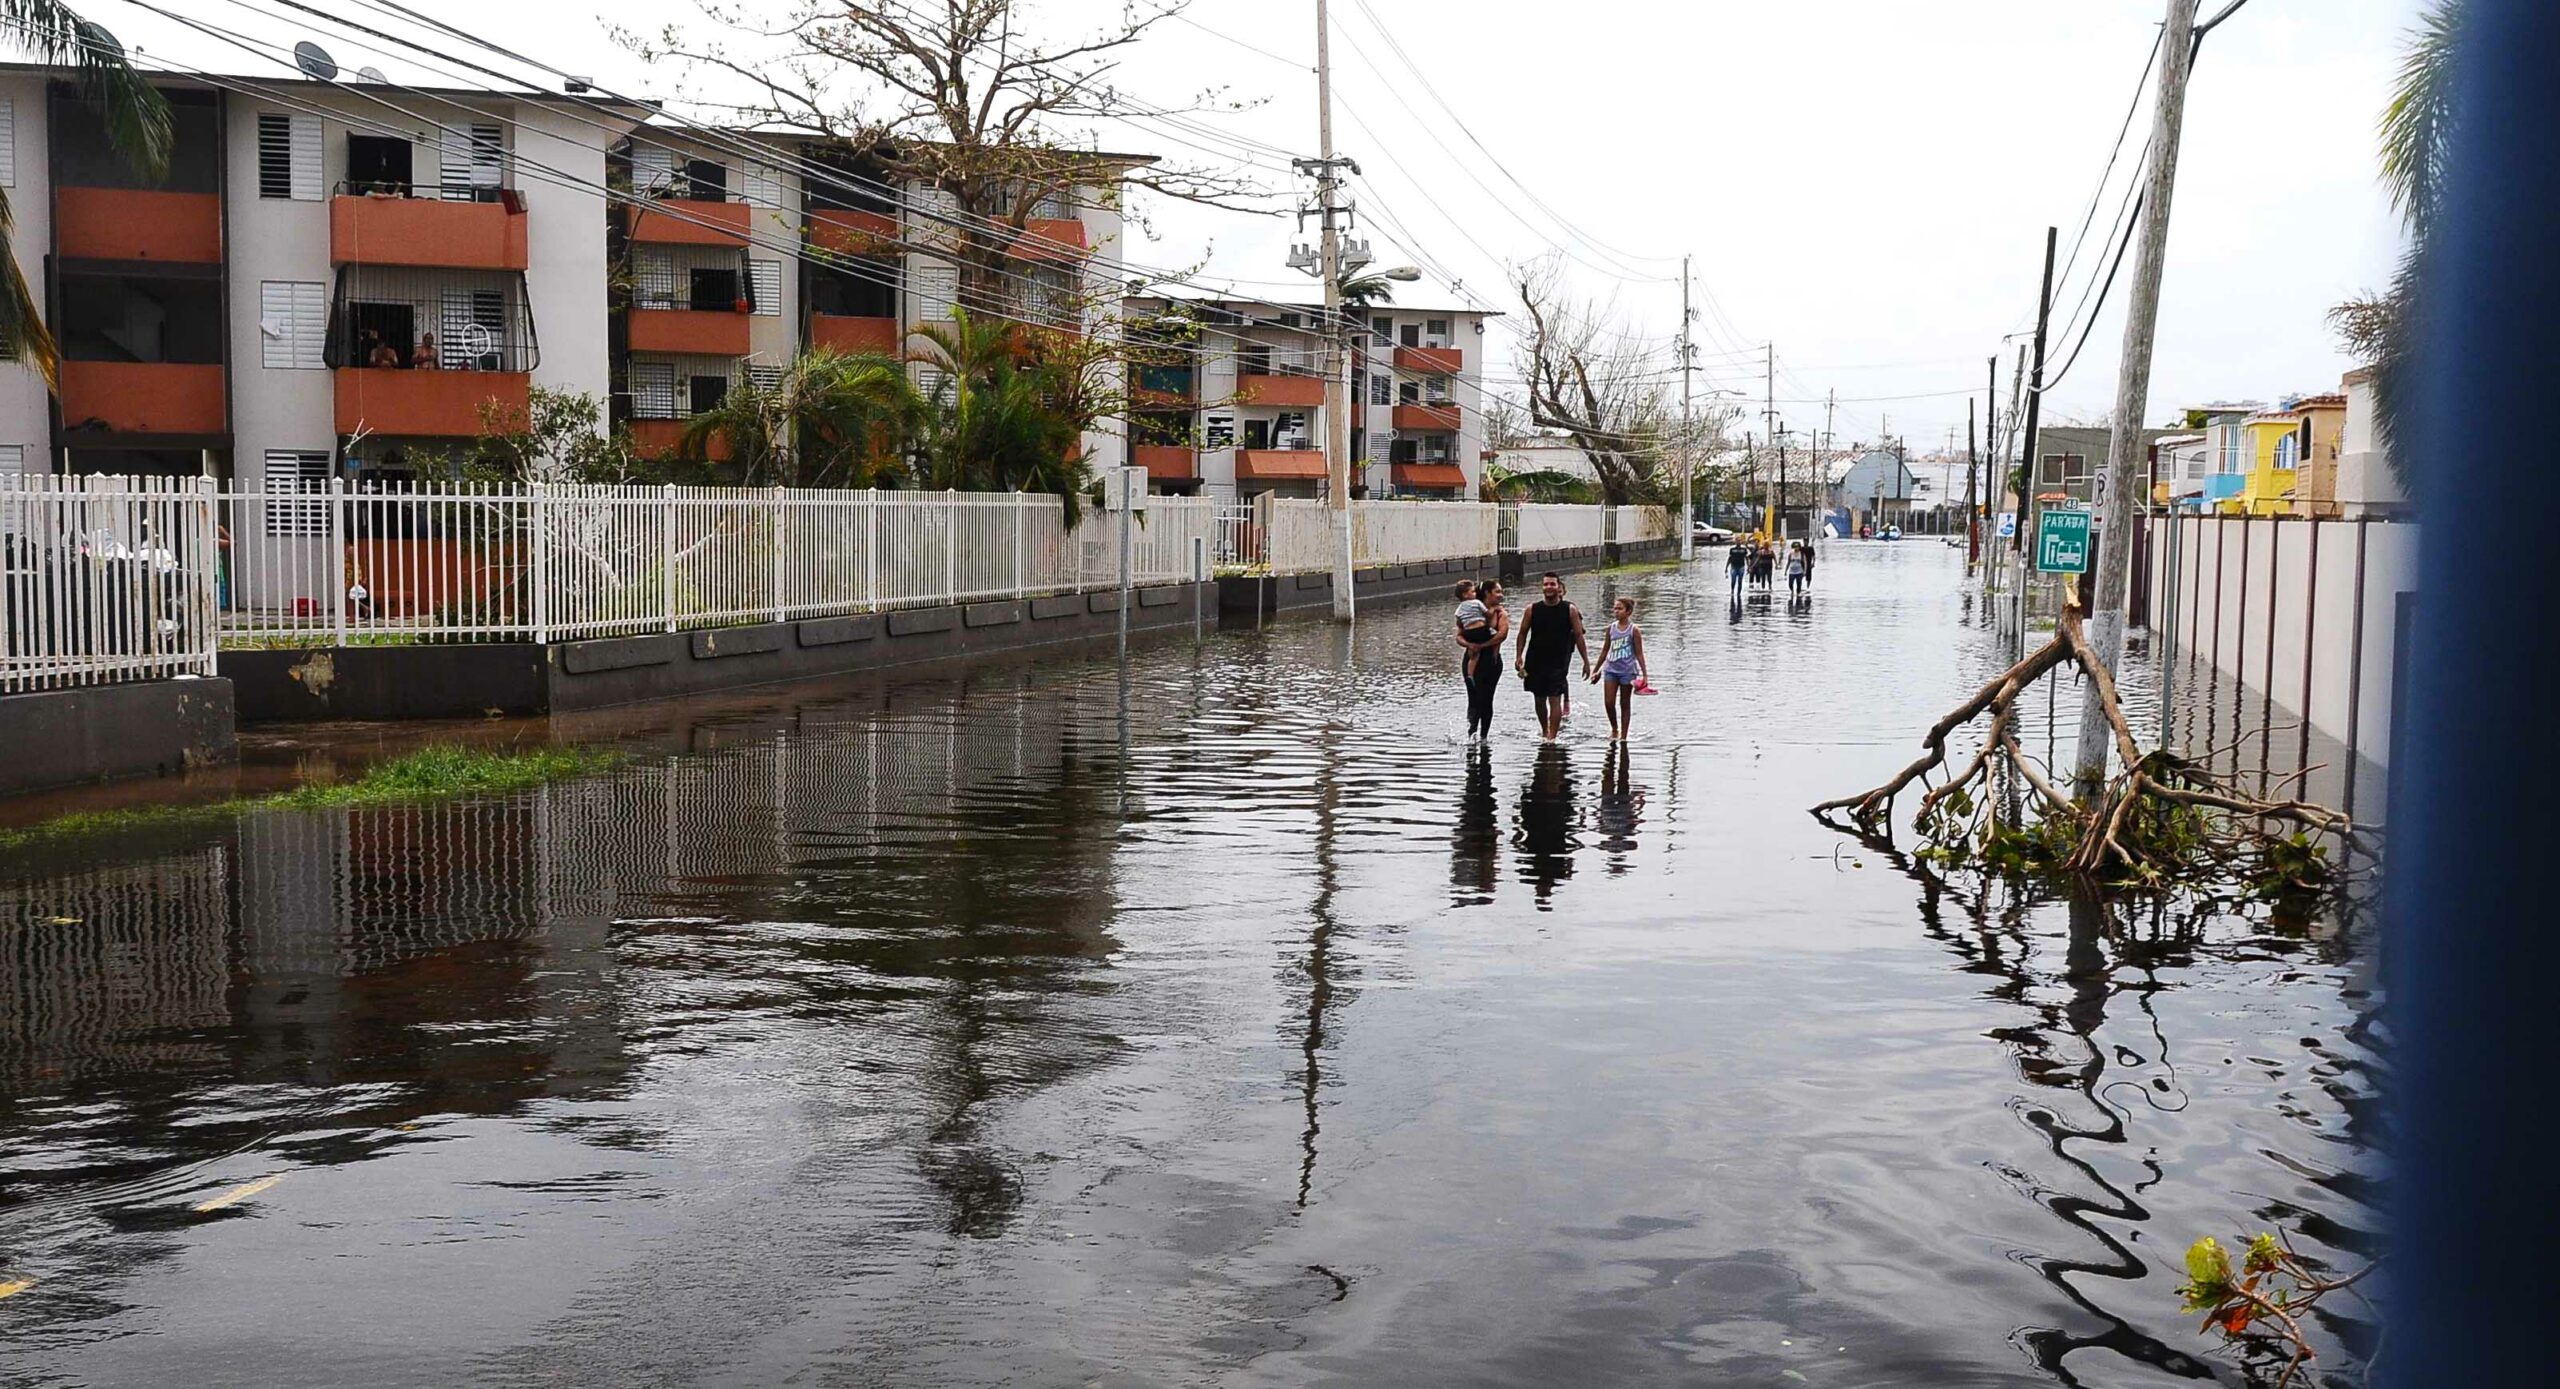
(559, 562)
(105, 579)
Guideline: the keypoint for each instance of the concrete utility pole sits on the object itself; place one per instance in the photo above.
(1769, 406)
(2027, 438)
(1688, 366)
(1972, 476)
(2133, 392)
(1337, 389)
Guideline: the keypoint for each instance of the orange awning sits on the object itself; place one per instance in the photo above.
(1441, 476)
(1280, 465)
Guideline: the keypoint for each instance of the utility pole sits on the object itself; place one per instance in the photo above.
(2133, 392)
(1778, 517)
(1822, 461)
(1688, 365)
(2027, 437)
(1769, 404)
(1337, 390)
(1972, 479)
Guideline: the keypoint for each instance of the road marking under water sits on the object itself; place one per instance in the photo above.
(237, 1194)
(11, 1287)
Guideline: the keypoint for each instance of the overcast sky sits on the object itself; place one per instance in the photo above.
(1863, 183)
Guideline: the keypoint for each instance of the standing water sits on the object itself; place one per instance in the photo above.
(1223, 1018)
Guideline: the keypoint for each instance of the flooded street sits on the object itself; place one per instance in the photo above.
(1220, 1020)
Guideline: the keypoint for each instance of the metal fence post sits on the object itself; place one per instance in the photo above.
(539, 514)
(950, 543)
(667, 518)
(871, 546)
(781, 527)
(338, 559)
(204, 559)
(1017, 544)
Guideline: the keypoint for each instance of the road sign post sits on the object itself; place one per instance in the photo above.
(2062, 539)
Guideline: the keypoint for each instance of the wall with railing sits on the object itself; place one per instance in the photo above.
(560, 562)
(1556, 526)
(1305, 536)
(105, 579)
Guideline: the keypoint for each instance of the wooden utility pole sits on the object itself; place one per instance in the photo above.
(2133, 392)
(2027, 438)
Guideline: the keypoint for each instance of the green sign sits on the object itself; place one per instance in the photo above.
(2062, 541)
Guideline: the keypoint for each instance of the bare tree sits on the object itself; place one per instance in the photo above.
(1587, 380)
(956, 96)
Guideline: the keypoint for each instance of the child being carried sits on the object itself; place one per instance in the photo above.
(1475, 626)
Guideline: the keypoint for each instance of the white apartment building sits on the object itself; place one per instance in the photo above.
(320, 286)
(756, 246)
(1230, 400)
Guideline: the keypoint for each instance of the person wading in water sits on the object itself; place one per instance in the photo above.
(1550, 637)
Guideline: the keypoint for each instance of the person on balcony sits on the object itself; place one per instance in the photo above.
(379, 354)
(427, 359)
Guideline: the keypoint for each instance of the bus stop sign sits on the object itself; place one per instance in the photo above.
(2062, 541)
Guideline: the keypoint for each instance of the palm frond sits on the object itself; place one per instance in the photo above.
(2417, 127)
(136, 115)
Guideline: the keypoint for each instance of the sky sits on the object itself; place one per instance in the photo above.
(1863, 185)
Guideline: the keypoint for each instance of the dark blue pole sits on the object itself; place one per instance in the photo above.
(2473, 945)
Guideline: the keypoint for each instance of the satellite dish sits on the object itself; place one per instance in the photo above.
(372, 75)
(315, 61)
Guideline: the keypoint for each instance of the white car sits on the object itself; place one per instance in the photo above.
(1710, 535)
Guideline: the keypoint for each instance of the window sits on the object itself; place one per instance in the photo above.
(764, 376)
(653, 390)
(1410, 335)
(1289, 430)
(475, 327)
(1289, 320)
(379, 163)
(8, 152)
(653, 170)
(706, 392)
(1218, 430)
(764, 279)
(1436, 389)
(13, 459)
(1381, 389)
(713, 288)
(2289, 451)
(706, 180)
(1408, 393)
(293, 324)
(1435, 332)
(937, 290)
(474, 160)
(1381, 444)
(762, 184)
(1382, 331)
(288, 156)
(292, 472)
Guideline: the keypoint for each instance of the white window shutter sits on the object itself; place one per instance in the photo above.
(1381, 443)
(653, 390)
(653, 170)
(762, 184)
(473, 155)
(937, 291)
(13, 459)
(293, 324)
(765, 277)
(8, 143)
(765, 375)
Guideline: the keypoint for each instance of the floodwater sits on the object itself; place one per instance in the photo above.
(1220, 1021)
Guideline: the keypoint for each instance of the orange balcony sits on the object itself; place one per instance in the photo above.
(1292, 391)
(699, 332)
(690, 222)
(1280, 465)
(1426, 418)
(1169, 462)
(1051, 238)
(382, 230)
(410, 403)
(1432, 361)
(144, 397)
(659, 438)
(851, 232)
(1431, 477)
(845, 334)
(137, 224)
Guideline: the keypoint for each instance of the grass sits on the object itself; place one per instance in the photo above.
(430, 773)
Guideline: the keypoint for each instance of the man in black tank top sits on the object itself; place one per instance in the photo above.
(1550, 637)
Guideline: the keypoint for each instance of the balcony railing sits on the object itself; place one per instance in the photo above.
(1296, 392)
(408, 403)
(137, 224)
(1428, 417)
(144, 397)
(842, 333)
(391, 223)
(1168, 462)
(1432, 361)
(693, 222)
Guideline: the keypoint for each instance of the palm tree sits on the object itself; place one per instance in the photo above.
(2417, 133)
(1002, 415)
(832, 420)
(137, 124)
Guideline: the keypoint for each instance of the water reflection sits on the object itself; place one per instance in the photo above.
(1475, 854)
(1621, 809)
(1549, 826)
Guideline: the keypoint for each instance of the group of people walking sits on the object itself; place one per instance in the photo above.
(1756, 562)
(1545, 643)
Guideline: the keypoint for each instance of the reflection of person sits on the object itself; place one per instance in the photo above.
(1547, 824)
(1621, 809)
(1550, 637)
(1622, 667)
(1486, 677)
(1474, 854)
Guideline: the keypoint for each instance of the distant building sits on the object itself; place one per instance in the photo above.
(1877, 490)
(2365, 485)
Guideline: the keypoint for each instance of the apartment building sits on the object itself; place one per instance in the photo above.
(753, 247)
(1229, 399)
(325, 283)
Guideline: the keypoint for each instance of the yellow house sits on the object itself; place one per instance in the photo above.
(2275, 457)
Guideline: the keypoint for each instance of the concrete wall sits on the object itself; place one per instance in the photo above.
(2248, 597)
(564, 241)
(26, 419)
(105, 732)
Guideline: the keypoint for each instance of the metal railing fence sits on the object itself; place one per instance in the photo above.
(562, 561)
(105, 579)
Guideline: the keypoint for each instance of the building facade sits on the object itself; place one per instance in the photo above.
(1229, 399)
(314, 289)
